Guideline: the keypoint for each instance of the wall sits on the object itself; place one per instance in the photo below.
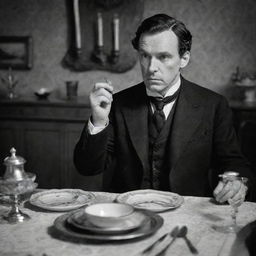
(223, 38)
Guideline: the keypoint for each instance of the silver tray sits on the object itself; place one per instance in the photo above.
(153, 223)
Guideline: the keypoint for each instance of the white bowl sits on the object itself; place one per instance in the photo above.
(108, 215)
(43, 93)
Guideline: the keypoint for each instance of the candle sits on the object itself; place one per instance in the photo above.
(100, 29)
(10, 77)
(116, 32)
(77, 24)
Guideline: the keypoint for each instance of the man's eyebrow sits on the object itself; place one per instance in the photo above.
(164, 53)
(142, 50)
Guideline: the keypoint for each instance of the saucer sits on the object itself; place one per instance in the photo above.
(153, 200)
(136, 219)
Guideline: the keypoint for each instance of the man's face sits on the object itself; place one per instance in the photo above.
(160, 60)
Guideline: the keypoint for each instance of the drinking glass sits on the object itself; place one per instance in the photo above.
(232, 227)
(72, 87)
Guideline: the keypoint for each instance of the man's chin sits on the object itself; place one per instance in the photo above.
(155, 87)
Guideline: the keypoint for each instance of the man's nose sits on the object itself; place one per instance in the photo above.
(152, 65)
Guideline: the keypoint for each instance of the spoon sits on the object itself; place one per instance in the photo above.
(174, 233)
(183, 233)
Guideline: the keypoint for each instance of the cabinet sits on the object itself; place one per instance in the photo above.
(45, 132)
(244, 114)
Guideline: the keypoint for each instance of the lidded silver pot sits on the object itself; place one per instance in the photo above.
(14, 167)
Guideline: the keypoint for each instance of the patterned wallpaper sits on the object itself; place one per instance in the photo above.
(224, 35)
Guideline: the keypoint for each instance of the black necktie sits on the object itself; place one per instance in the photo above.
(158, 116)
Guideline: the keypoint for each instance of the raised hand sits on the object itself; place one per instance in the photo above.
(100, 101)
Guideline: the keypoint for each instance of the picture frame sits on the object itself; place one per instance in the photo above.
(16, 52)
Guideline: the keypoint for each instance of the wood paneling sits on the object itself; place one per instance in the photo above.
(42, 148)
(245, 124)
(45, 134)
(7, 139)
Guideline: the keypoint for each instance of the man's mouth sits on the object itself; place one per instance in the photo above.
(153, 80)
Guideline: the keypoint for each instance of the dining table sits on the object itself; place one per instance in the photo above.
(39, 237)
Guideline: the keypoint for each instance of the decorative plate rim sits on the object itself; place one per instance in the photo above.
(122, 198)
(34, 200)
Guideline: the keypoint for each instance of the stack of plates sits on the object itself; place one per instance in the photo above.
(141, 223)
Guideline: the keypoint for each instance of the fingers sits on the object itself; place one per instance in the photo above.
(107, 86)
(228, 190)
(240, 195)
(218, 189)
(101, 94)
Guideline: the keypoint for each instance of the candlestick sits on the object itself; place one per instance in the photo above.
(100, 29)
(116, 32)
(77, 24)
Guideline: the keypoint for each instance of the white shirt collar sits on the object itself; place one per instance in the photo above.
(171, 91)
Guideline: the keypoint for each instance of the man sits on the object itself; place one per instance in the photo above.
(140, 141)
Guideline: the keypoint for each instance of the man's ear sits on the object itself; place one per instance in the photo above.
(185, 59)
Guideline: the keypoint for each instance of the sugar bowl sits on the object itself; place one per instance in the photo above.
(14, 183)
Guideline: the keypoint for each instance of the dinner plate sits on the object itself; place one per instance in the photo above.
(153, 200)
(61, 199)
(153, 223)
(135, 220)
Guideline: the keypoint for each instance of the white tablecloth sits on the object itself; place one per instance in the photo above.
(36, 236)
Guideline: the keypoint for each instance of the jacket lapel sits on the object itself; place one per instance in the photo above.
(188, 116)
(136, 116)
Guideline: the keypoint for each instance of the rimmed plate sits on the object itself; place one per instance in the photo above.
(61, 199)
(153, 200)
(135, 220)
(153, 223)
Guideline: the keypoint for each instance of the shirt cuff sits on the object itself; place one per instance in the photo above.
(95, 129)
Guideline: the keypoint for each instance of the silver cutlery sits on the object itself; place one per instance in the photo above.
(174, 233)
(183, 233)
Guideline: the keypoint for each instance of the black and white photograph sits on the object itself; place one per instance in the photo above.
(128, 127)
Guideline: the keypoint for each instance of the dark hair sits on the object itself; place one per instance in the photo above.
(162, 22)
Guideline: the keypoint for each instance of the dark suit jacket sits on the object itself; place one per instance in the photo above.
(202, 142)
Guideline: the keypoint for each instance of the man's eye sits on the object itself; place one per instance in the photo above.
(143, 55)
(163, 57)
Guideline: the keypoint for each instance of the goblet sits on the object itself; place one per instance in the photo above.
(232, 227)
(234, 208)
(14, 189)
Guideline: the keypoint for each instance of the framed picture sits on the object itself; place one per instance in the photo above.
(15, 52)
